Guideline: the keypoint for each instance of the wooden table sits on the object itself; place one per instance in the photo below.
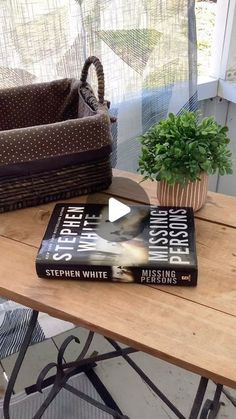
(194, 328)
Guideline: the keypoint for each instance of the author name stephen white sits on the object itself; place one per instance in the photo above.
(70, 273)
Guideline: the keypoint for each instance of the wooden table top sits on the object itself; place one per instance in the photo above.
(194, 328)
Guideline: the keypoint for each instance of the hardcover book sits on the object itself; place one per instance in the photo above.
(151, 245)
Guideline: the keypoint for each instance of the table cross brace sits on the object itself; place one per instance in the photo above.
(65, 370)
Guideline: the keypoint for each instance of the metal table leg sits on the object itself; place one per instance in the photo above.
(201, 391)
(211, 407)
(67, 370)
(17, 366)
(64, 372)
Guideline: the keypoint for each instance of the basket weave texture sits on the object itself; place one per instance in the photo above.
(55, 141)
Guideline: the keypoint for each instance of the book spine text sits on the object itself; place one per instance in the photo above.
(93, 273)
(147, 275)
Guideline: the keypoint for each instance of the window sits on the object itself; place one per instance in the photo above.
(205, 20)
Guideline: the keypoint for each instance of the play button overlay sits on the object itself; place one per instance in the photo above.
(117, 210)
(124, 212)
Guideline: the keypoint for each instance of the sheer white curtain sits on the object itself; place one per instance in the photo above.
(147, 47)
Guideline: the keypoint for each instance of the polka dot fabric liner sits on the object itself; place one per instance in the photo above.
(47, 120)
(51, 123)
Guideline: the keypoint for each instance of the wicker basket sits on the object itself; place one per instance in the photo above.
(55, 141)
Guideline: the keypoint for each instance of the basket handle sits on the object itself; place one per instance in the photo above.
(100, 75)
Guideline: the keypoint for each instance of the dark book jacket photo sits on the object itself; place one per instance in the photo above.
(151, 245)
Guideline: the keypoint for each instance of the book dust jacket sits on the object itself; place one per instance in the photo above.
(151, 245)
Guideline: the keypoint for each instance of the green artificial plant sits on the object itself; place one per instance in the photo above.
(179, 148)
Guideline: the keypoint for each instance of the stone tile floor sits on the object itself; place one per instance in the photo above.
(132, 395)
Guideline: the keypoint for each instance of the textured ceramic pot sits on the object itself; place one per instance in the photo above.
(191, 195)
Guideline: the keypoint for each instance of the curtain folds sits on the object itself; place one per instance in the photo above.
(147, 47)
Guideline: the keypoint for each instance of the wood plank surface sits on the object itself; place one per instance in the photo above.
(187, 334)
(219, 208)
(146, 317)
(216, 251)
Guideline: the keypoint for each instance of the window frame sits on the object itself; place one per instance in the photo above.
(215, 84)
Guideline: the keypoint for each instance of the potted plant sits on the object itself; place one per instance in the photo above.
(179, 153)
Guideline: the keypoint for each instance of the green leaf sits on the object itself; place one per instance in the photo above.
(179, 148)
(201, 149)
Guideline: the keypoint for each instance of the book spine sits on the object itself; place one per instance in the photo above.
(83, 272)
(175, 276)
(142, 275)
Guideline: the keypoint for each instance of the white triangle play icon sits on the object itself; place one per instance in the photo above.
(117, 209)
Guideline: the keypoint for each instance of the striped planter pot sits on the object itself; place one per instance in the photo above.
(192, 195)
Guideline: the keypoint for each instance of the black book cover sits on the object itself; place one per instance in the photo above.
(152, 245)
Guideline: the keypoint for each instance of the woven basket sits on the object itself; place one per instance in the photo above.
(55, 141)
